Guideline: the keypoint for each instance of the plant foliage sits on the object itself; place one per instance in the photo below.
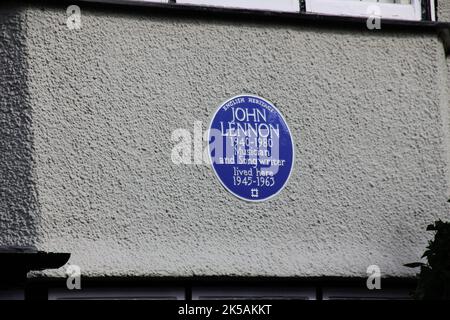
(434, 276)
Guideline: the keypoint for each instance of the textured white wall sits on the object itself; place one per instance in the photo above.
(368, 112)
(18, 211)
(444, 10)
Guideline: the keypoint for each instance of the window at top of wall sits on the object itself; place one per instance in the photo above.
(387, 9)
(271, 5)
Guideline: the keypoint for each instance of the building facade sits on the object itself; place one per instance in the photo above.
(88, 117)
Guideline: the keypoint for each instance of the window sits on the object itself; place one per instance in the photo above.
(117, 293)
(210, 289)
(253, 293)
(387, 9)
(358, 293)
(271, 5)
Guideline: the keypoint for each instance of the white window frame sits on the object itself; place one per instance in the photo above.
(433, 10)
(268, 5)
(264, 5)
(357, 8)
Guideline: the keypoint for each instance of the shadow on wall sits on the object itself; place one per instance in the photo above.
(18, 202)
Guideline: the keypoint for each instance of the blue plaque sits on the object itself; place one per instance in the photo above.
(251, 148)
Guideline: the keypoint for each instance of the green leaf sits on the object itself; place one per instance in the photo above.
(414, 265)
(426, 253)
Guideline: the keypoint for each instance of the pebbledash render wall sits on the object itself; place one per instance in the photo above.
(443, 10)
(86, 122)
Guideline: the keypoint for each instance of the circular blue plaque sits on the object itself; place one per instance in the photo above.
(251, 148)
